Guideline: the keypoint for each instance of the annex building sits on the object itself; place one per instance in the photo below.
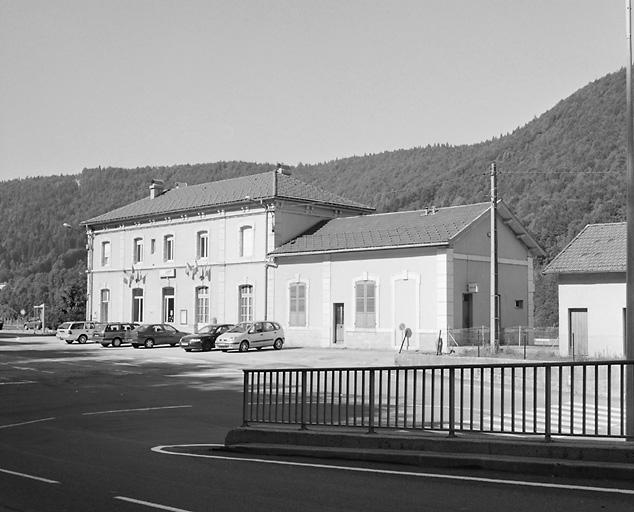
(333, 273)
(592, 292)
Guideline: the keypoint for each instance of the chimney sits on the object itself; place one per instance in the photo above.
(156, 188)
(283, 169)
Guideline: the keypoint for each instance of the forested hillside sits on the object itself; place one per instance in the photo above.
(559, 172)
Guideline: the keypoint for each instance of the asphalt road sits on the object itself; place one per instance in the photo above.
(78, 425)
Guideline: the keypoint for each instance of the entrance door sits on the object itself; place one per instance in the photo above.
(578, 340)
(168, 305)
(338, 322)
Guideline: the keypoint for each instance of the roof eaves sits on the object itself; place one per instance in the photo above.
(357, 249)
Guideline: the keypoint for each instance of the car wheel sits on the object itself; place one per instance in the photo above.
(82, 339)
(69, 341)
(277, 345)
(173, 344)
(225, 350)
(188, 350)
(116, 342)
(134, 345)
(206, 346)
(149, 343)
(244, 346)
(105, 345)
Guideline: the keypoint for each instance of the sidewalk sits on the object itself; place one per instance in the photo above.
(574, 458)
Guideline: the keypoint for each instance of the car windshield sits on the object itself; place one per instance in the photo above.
(207, 329)
(243, 327)
(65, 325)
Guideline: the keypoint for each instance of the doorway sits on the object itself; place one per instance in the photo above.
(467, 310)
(578, 332)
(168, 305)
(338, 322)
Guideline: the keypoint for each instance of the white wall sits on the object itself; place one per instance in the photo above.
(604, 296)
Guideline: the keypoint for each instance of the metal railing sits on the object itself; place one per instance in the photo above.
(561, 398)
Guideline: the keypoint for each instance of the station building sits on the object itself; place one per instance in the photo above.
(332, 272)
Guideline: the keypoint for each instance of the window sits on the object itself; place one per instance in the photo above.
(203, 245)
(297, 305)
(105, 302)
(168, 248)
(138, 250)
(245, 312)
(105, 254)
(202, 305)
(152, 246)
(246, 241)
(519, 304)
(137, 305)
(365, 292)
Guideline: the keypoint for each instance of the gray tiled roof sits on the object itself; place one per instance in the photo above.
(597, 248)
(387, 230)
(265, 186)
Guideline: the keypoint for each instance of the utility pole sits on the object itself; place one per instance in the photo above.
(495, 297)
(629, 287)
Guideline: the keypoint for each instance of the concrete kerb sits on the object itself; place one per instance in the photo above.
(563, 458)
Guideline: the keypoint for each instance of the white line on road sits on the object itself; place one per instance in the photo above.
(24, 475)
(520, 483)
(15, 383)
(135, 410)
(25, 423)
(150, 504)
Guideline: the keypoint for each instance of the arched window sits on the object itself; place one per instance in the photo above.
(245, 303)
(246, 241)
(202, 305)
(365, 300)
(138, 250)
(137, 305)
(202, 244)
(297, 305)
(168, 248)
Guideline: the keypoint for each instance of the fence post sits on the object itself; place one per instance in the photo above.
(303, 404)
(452, 402)
(547, 402)
(371, 399)
(245, 390)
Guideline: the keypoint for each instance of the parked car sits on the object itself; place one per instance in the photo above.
(205, 338)
(113, 333)
(149, 335)
(34, 325)
(246, 335)
(76, 331)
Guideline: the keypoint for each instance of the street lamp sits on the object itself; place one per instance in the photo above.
(89, 267)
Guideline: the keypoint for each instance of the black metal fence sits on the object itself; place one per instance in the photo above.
(562, 398)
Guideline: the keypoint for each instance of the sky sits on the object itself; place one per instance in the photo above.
(87, 83)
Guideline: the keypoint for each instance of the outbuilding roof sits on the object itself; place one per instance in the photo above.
(399, 229)
(597, 248)
(245, 189)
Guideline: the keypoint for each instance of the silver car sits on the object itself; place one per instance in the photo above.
(248, 335)
(75, 331)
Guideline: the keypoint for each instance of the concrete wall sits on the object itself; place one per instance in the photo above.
(604, 296)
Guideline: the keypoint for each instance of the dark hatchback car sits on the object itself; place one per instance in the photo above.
(205, 338)
(113, 333)
(150, 335)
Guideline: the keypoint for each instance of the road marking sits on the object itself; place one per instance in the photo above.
(26, 423)
(440, 476)
(150, 504)
(24, 475)
(135, 410)
(15, 383)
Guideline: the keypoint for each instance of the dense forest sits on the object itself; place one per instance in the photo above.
(559, 172)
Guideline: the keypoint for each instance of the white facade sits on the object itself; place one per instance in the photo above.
(601, 299)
